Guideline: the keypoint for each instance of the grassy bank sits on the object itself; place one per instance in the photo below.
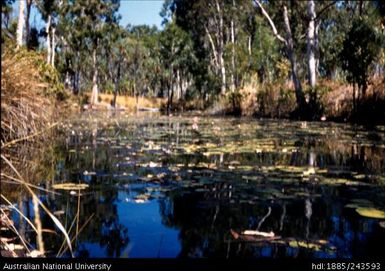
(124, 102)
(331, 100)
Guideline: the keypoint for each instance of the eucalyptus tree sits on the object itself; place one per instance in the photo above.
(205, 21)
(311, 43)
(289, 43)
(48, 10)
(20, 24)
(176, 53)
(83, 26)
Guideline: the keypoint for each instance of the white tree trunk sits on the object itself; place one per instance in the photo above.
(311, 43)
(95, 91)
(316, 46)
(47, 30)
(221, 48)
(300, 97)
(223, 74)
(178, 84)
(53, 45)
(289, 43)
(20, 24)
(212, 47)
(232, 57)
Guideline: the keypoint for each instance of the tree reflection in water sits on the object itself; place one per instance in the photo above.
(157, 189)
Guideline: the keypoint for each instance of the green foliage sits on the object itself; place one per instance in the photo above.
(360, 48)
(187, 53)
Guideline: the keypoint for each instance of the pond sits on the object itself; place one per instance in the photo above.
(165, 187)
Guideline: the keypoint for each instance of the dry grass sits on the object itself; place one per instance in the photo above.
(25, 106)
(129, 103)
(28, 89)
(277, 100)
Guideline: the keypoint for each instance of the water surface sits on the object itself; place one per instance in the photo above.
(166, 187)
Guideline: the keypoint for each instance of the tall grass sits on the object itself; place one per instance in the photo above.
(28, 96)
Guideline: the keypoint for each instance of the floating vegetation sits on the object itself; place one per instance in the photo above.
(371, 213)
(160, 175)
(303, 244)
(70, 186)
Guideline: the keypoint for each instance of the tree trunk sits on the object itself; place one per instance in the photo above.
(53, 45)
(29, 4)
(117, 79)
(223, 74)
(316, 46)
(216, 61)
(47, 31)
(232, 57)
(289, 44)
(311, 44)
(221, 48)
(300, 97)
(178, 85)
(170, 92)
(20, 24)
(95, 91)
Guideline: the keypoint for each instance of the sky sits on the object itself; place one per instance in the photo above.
(138, 12)
(135, 12)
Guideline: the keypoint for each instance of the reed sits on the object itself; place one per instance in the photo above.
(28, 89)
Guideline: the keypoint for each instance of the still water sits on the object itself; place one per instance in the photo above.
(183, 187)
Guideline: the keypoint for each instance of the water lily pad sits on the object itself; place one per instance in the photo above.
(370, 212)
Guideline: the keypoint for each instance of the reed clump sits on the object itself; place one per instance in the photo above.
(28, 94)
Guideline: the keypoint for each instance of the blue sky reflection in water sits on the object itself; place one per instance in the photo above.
(158, 188)
(149, 238)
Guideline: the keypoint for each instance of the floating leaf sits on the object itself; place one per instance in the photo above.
(370, 212)
(304, 245)
(259, 233)
(70, 186)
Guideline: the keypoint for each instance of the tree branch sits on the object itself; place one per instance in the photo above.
(324, 9)
(212, 46)
(272, 25)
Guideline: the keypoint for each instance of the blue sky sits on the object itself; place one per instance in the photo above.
(138, 12)
(135, 12)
